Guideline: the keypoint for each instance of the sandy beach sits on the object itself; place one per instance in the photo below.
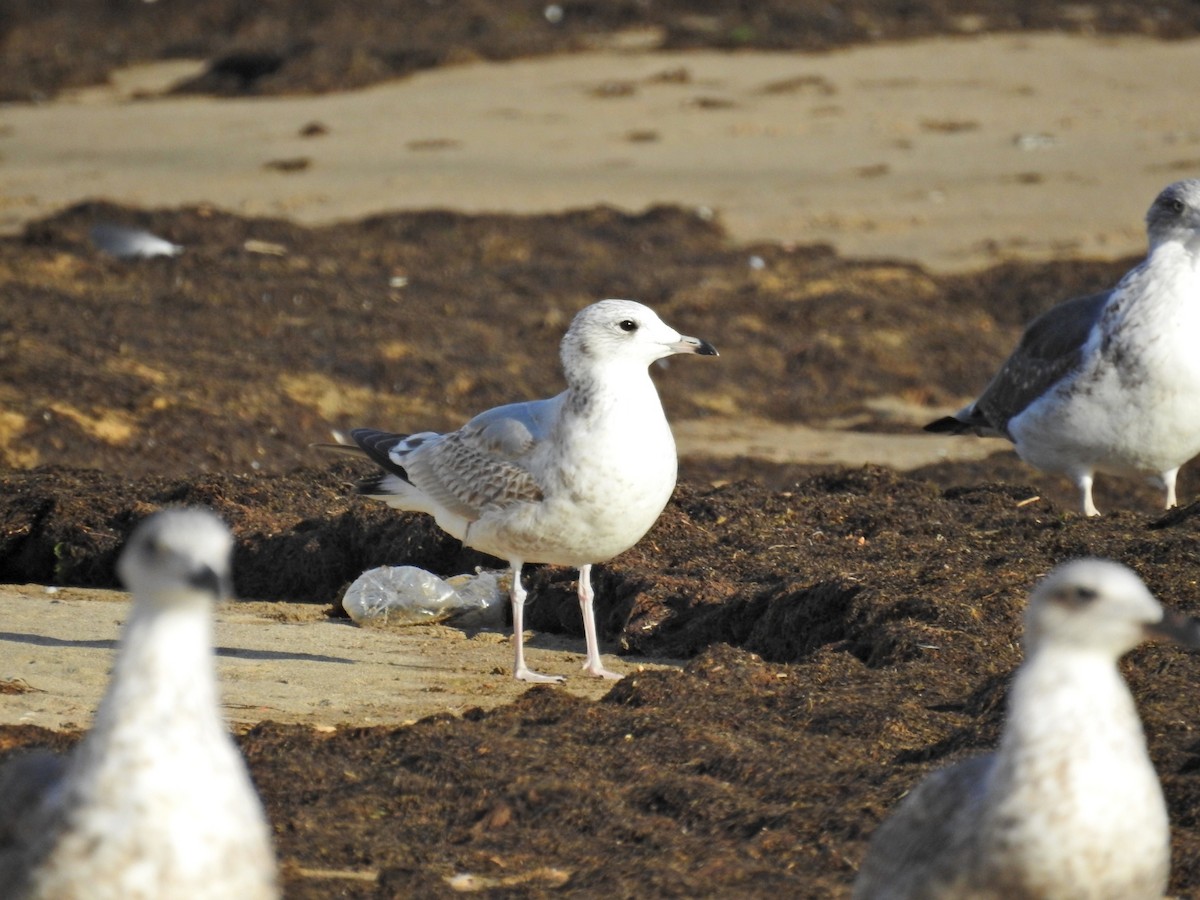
(951, 152)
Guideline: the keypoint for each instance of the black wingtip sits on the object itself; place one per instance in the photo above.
(367, 438)
(377, 445)
(948, 425)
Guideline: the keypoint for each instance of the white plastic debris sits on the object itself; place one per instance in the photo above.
(407, 595)
(124, 242)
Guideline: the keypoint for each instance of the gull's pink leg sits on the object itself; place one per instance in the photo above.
(593, 665)
(520, 671)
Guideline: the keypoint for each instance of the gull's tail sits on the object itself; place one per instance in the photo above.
(391, 485)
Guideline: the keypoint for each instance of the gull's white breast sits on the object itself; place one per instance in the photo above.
(607, 471)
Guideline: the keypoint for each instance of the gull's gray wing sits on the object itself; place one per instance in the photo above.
(482, 466)
(924, 847)
(1050, 348)
(511, 431)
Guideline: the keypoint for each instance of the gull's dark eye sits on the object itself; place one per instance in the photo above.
(1177, 206)
(627, 325)
(1074, 596)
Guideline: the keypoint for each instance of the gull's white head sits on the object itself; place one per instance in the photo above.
(1102, 606)
(176, 555)
(624, 331)
(1175, 214)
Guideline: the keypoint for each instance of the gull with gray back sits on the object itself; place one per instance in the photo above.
(572, 480)
(1110, 382)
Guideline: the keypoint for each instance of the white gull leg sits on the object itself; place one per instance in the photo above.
(521, 671)
(1168, 481)
(1083, 481)
(593, 665)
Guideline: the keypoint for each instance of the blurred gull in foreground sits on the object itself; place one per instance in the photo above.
(572, 480)
(156, 800)
(1069, 805)
(124, 242)
(1111, 382)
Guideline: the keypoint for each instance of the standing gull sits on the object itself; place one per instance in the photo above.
(1111, 382)
(1069, 804)
(155, 801)
(572, 480)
